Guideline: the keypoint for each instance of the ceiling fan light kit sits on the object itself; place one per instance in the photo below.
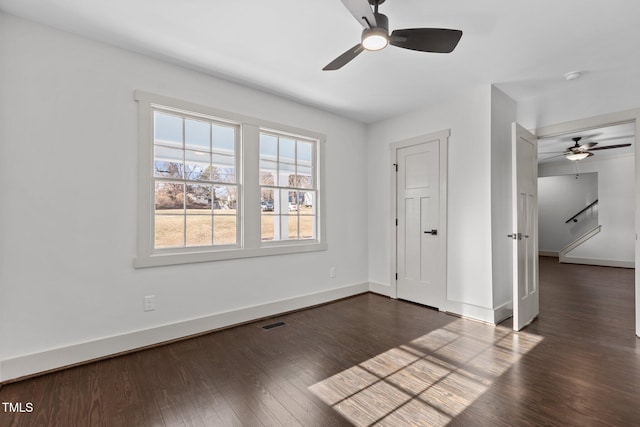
(374, 39)
(375, 35)
(578, 156)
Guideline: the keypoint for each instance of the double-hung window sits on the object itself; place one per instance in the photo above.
(195, 186)
(215, 185)
(287, 187)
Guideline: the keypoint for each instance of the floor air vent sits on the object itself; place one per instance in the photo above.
(273, 325)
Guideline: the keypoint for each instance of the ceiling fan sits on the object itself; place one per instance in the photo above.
(375, 35)
(582, 151)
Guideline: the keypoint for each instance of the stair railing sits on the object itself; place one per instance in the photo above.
(575, 217)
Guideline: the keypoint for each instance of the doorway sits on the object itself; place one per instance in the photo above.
(590, 125)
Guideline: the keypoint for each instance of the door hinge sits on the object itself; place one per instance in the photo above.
(396, 276)
(396, 222)
(396, 166)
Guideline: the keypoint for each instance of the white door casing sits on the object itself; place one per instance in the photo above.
(420, 213)
(525, 224)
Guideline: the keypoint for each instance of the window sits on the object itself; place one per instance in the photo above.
(196, 192)
(216, 185)
(287, 187)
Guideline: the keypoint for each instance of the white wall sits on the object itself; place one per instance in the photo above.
(559, 198)
(68, 224)
(503, 114)
(616, 214)
(469, 279)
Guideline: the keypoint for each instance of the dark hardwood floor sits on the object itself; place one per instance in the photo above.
(368, 360)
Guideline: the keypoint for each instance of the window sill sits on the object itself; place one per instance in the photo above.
(269, 249)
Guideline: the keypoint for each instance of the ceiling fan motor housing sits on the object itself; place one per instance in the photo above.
(382, 21)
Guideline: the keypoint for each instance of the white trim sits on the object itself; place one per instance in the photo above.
(482, 314)
(380, 289)
(30, 364)
(502, 312)
(598, 262)
(549, 253)
(589, 261)
(562, 255)
(620, 117)
(628, 116)
(443, 137)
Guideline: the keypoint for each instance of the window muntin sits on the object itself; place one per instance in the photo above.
(196, 191)
(287, 187)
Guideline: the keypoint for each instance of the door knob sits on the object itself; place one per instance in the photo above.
(432, 232)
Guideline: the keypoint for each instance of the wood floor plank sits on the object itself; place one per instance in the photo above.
(371, 360)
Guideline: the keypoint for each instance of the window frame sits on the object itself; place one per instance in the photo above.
(288, 188)
(249, 242)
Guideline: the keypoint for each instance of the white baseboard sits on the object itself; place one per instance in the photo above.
(56, 358)
(482, 314)
(468, 311)
(503, 312)
(599, 262)
(549, 253)
(381, 289)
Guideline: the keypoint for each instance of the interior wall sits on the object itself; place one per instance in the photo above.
(559, 198)
(68, 167)
(503, 114)
(616, 214)
(469, 280)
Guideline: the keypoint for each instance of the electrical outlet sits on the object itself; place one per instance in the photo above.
(332, 272)
(149, 303)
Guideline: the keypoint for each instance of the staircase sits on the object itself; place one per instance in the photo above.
(562, 255)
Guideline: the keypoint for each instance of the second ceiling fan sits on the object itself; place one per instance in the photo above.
(582, 151)
(375, 35)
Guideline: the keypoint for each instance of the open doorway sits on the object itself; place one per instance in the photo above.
(568, 215)
(617, 182)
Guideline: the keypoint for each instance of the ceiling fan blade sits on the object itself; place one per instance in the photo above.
(607, 147)
(437, 40)
(361, 10)
(553, 157)
(344, 59)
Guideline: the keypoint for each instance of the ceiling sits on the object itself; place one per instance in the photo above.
(550, 150)
(280, 46)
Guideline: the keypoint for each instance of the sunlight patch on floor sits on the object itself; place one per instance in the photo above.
(428, 381)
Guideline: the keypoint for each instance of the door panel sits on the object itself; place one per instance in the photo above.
(418, 198)
(416, 175)
(428, 243)
(525, 234)
(411, 246)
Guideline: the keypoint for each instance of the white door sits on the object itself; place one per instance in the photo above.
(420, 248)
(525, 223)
